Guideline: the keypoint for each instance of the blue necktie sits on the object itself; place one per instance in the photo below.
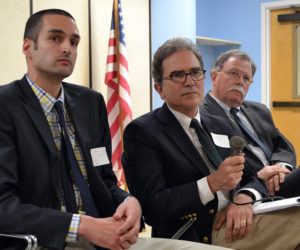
(71, 161)
(207, 144)
(252, 136)
(69, 195)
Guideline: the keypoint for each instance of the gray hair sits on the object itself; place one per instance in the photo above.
(168, 48)
(233, 53)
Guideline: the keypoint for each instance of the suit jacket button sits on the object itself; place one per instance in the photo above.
(211, 211)
(205, 239)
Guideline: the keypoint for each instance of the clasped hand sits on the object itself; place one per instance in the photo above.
(273, 176)
(117, 232)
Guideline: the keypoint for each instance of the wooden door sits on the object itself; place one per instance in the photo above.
(287, 119)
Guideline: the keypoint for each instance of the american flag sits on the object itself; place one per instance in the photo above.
(118, 88)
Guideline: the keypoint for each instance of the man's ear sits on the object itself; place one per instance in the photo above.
(28, 47)
(159, 89)
(213, 76)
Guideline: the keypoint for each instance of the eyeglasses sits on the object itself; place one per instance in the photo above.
(236, 75)
(180, 76)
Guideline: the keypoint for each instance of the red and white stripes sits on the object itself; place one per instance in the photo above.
(118, 91)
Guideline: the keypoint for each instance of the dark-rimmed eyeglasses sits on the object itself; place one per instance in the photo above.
(180, 76)
(236, 75)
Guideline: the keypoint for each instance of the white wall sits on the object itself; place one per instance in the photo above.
(13, 16)
(12, 24)
(137, 37)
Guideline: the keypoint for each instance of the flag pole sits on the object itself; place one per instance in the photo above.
(117, 80)
(118, 65)
(116, 17)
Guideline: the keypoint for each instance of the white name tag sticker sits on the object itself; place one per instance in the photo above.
(221, 140)
(99, 156)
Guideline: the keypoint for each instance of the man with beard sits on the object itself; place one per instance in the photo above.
(272, 155)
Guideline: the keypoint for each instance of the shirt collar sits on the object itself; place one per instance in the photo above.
(222, 104)
(183, 119)
(46, 100)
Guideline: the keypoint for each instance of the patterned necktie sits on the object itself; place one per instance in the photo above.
(252, 136)
(207, 144)
(72, 164)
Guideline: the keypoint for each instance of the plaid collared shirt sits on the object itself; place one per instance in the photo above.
(47, 102)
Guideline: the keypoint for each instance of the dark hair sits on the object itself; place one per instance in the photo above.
(35, 22)
(168, 48)
(233, 53)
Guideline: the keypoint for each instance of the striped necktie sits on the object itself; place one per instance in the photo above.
(252, 136)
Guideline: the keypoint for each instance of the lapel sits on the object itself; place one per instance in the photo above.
(214, 108)
(79, 110)
(252, 117)
(34, 110)
(212, 125)
(172, 128)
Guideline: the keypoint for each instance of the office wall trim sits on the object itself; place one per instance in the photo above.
(150, 57)
(30, 7)
(90, 46)
(265, 11)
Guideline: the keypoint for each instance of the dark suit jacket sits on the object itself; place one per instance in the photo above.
(162, 166)
(30, 187)
(261, 119)
(263, 124)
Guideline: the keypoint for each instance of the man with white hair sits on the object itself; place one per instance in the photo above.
(273, 156)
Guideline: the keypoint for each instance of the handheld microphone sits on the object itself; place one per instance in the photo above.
(237, 145)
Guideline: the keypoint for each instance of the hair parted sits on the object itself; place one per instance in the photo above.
(168, 48)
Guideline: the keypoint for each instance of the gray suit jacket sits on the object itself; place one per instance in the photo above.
(263, 124)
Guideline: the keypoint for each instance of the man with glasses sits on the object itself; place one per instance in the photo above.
(271, 154)
(177, 161)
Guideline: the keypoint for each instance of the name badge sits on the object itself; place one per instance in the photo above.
(99, 156)
(221, 140)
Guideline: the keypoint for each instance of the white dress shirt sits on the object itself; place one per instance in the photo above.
(203, 188)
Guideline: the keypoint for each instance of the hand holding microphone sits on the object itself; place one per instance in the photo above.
(229, 173)
(238, 217)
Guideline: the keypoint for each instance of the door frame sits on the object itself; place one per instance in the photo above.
(265, 12)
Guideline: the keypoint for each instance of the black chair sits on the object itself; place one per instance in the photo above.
(18, 242)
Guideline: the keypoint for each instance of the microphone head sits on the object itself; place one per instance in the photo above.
(237, 144)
